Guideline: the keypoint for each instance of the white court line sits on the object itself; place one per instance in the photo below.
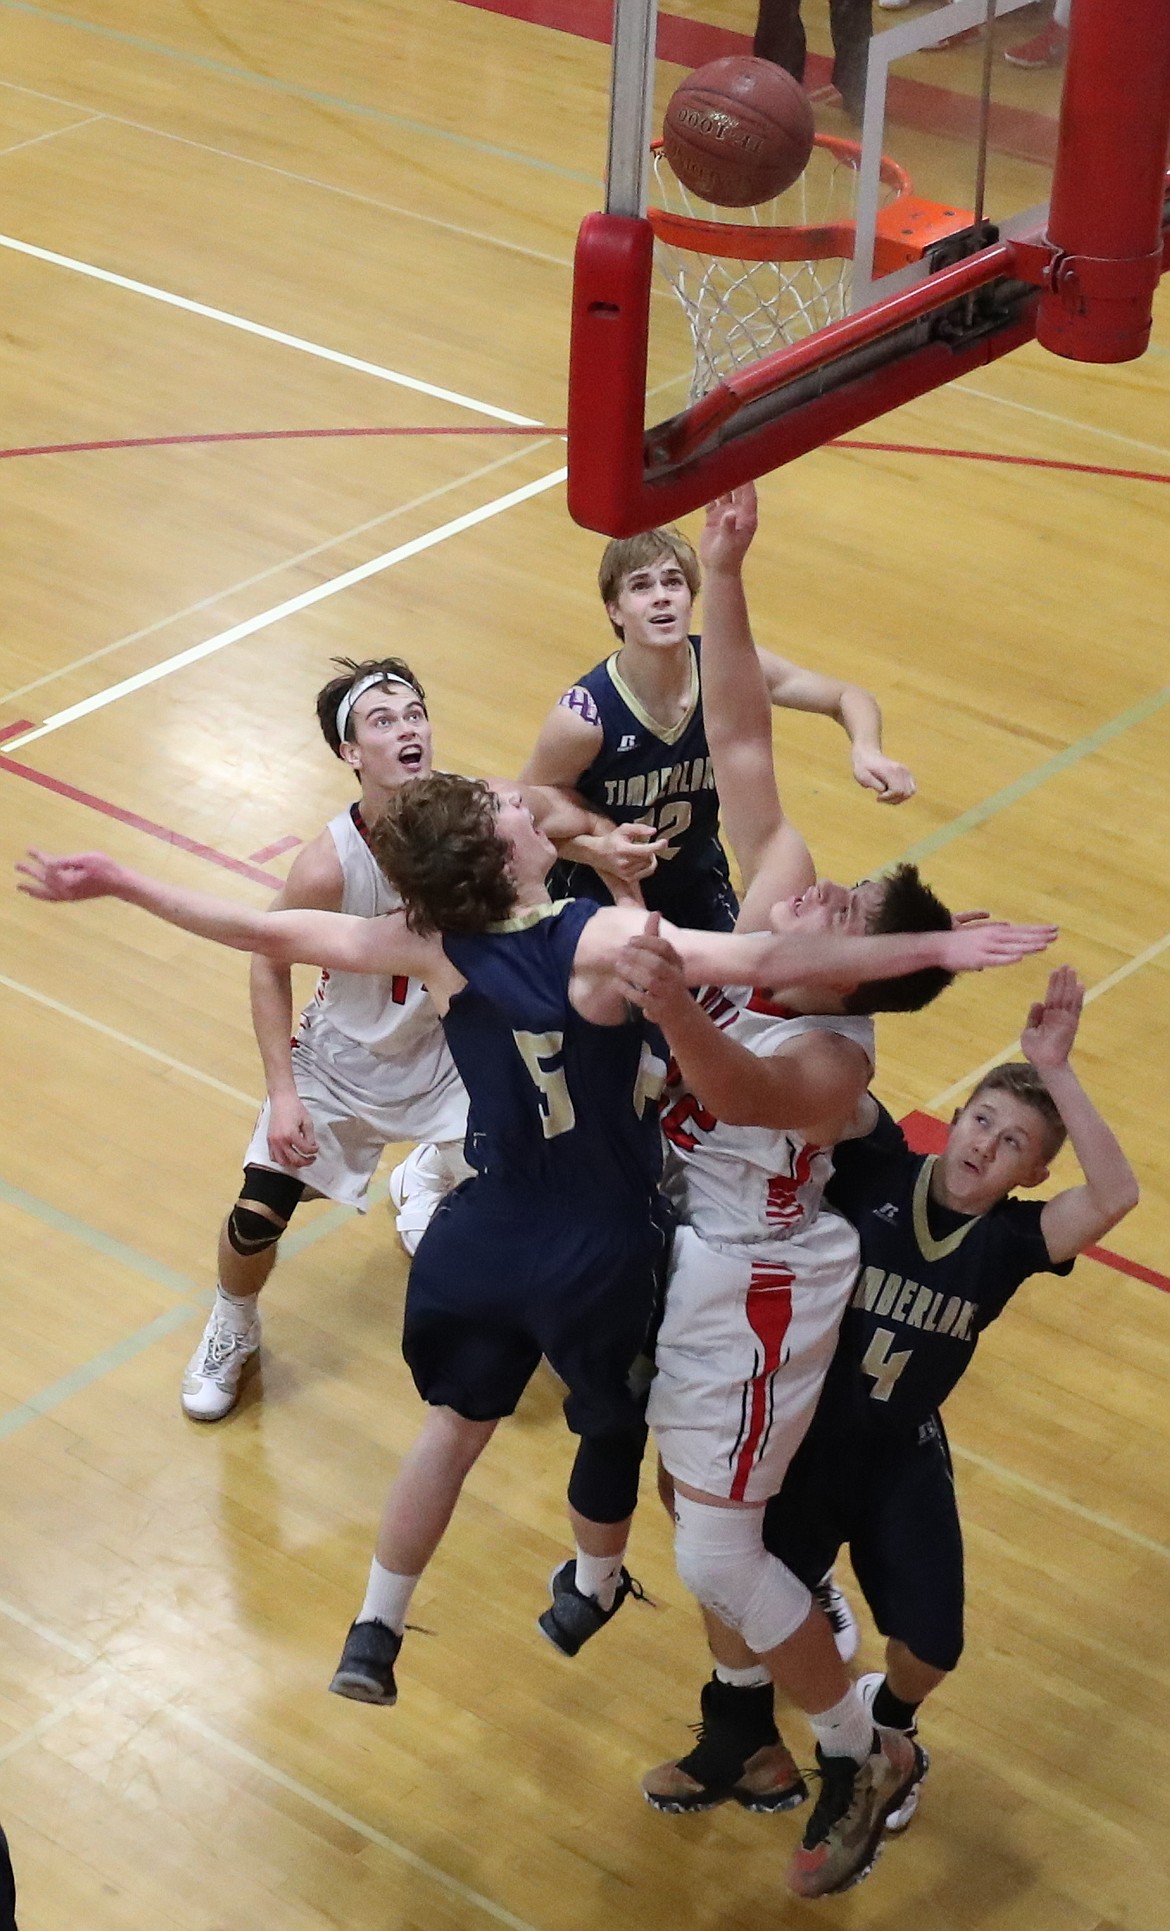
(108, 1676)
(1104, 985)
(1048, 415)
(276, 569)
(47, 1635)
(329, 1809)
(287, 609)
(52, 133)
(304, 180)
(1042, 1494)
(269, 335)
(135, 1045)
(51, 1719)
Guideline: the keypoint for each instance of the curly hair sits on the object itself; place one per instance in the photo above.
(439, 844)
(1020, 1078)
(395, 670)
(907, 906)
(628, 553)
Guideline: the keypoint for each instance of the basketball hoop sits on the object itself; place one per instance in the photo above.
(750, 280)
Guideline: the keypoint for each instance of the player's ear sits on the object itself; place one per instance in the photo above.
(350, 754)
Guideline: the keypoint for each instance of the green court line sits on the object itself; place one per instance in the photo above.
(115, 1356)
(243, 76)
(1032, 780)
(92, 1237)
(120, 1352)
(317, 1229)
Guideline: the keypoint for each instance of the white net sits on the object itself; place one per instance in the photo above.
(740, 309)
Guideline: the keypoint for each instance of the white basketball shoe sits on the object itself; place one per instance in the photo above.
(211, 1380)
(416, 1188)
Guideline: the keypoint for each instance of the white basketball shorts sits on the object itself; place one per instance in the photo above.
(359, 1103)
(746, 1340)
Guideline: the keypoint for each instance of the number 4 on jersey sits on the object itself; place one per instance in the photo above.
(882, 1365)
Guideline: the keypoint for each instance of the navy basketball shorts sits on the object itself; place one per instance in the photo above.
(892, 1502)
(505, 1274)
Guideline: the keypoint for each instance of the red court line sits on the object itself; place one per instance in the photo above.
(14, 730)
(928, 1135)
(1125, 1266)
(137, 823)
(992, 456)
(691, 43)
(274, 435)
(266, 852)
(844, 442)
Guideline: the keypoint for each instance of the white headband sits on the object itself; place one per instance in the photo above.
(359, 689)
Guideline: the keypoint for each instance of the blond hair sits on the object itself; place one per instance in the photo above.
(625, 554)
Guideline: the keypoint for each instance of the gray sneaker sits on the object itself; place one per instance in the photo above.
(844, 1834)
(366, 1670)
(572, 1617)
(211, 1380)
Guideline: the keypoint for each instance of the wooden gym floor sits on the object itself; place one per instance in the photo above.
(233, 220)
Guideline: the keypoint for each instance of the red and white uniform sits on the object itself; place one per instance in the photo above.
(760, 1277)
(369, 1058)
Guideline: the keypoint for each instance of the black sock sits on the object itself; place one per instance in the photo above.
(890, 1711)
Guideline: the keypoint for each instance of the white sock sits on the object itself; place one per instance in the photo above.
(847, 1729)
(752, 1678)
(387, 1597)
(238, 1311)
(598, 1576)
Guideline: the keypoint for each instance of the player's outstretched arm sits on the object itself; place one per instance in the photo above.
(611, 942)
(856, 710)
(333, 939)
(1076, 1218)
(770, 852)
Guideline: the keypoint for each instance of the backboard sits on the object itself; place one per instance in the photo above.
(959, 204)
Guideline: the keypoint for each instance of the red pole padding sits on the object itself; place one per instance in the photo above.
(1109, 186)
(607, 372)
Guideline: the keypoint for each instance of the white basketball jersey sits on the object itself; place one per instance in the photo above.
(740, 1184)
(390, 1016)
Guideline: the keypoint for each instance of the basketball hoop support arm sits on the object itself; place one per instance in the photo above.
(1105, 225)
(1083, 287)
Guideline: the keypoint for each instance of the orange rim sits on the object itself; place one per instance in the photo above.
(747, 241)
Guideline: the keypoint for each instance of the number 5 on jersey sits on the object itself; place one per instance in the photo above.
(543, 1055)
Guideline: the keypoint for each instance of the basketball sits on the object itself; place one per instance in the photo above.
(738, 131)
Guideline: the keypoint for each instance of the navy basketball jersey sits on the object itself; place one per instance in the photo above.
(931, 1280)
(646, 774)
(556, 1102)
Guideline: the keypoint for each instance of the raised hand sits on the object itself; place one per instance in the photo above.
(892, 781)
(62, 881)
(1047, 1039)
(729, 529)
(991, 942)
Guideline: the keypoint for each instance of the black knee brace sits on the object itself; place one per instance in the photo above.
(250, 1232)
(604, 1484)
